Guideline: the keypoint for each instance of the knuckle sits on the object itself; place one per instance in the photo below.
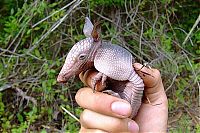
(82, 130)
(84, 118)
(99, 131)
(81, 95)
(120, 125)
(78, 96)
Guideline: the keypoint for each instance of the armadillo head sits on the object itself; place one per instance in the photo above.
(76, 60)
(80, 57)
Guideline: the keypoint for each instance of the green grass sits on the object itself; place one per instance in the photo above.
(33, 49)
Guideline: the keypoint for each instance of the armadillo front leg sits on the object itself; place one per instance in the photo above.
(102, 78)
(99, 77)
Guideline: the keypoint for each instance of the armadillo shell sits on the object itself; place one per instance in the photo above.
(114, 61)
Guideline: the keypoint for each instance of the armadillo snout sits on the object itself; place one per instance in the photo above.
(61, 79)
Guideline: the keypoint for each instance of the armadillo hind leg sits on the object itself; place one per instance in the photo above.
(128, 91)
(99, 77)
(133, 92)
(134, 96)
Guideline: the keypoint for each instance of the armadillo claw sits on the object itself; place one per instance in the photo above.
(112, 93)
(100, 77)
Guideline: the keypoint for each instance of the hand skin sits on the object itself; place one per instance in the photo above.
(105, 113)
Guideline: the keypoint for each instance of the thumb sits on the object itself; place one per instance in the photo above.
(151, 77)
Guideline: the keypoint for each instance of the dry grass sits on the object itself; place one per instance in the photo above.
(148, 30)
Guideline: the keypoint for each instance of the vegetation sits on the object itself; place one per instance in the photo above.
(37, 34)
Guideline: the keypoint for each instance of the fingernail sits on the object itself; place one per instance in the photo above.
(137, 65)
(133, 127)
(121, 108)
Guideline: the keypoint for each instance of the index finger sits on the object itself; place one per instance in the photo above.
(103, 103)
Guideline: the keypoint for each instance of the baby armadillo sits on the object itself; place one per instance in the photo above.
(110, 60)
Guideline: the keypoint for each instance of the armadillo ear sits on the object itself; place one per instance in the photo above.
(96, 32)
(88, 27)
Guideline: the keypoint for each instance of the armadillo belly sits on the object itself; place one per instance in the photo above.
(114, 61)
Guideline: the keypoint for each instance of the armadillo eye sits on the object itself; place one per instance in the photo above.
(82, 56)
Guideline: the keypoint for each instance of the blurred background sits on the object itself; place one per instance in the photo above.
(36, 35)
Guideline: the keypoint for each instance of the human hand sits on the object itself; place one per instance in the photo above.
(105, 113)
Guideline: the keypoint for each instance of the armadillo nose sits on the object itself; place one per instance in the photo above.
(61, 79)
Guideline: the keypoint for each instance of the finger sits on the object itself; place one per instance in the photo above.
(151, 77)
(86, 130)
(86, 78)
(93, 120)
(154, 90)
(103, 103)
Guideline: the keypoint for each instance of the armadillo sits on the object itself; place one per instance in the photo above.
(110, 60)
